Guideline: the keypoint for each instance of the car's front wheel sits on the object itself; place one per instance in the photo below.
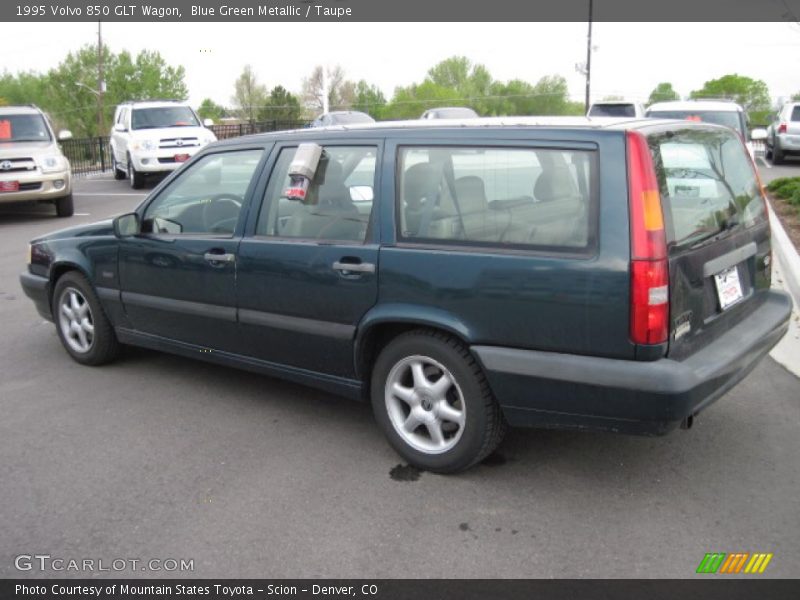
(65, 206)
(433, 402)
(136, 178)
(84, 329)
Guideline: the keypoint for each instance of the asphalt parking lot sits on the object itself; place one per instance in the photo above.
(161, 457)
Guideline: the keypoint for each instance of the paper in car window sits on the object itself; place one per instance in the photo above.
(5, 130)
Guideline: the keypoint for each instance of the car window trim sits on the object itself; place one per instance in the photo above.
(589, 251)
(177, 174)
(269, 169)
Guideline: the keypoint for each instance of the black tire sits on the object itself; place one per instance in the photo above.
(104, 346)
(484, 424)
(119, 174)
(65, 206)
(777, 154)
(136, 178)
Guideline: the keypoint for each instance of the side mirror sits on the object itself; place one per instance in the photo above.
(126, 225)
(208, 122)
(119, 127)
(758, 134)
(64, 134)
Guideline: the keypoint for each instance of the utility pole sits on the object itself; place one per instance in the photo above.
(101, 84)
(589, 60)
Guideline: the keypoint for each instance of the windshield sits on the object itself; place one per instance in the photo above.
(164, 116)
(23, 128)
(728, 118)
(612, 110)
(707, 184)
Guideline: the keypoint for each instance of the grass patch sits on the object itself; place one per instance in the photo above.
(786, 188)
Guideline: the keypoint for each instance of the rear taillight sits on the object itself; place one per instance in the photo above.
(649, 267)
(782, 128)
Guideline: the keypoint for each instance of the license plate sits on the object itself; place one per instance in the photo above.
(181, 157)
(729, 288)
(9, 186)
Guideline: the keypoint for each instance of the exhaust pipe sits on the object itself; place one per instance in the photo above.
(687, 422)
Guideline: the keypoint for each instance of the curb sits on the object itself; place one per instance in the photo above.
(787, 256)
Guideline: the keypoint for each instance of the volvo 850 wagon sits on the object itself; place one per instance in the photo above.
(461, 276)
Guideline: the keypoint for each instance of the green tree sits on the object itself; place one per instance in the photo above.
(281, 105)
(663, 92)
(249, 96)
(369, 99)
(211, 110)
(752, 94)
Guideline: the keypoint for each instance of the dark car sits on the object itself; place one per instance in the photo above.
(555, 273)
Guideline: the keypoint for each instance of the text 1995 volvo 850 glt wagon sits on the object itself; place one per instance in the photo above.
(462, 276)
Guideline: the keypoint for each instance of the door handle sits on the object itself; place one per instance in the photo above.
(354, 267)
(213, 257)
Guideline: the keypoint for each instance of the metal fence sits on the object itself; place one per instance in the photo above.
(93, 155)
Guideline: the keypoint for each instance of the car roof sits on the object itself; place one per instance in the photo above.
(718, 105)
(19, 110)
(154, 103)
(478, 124)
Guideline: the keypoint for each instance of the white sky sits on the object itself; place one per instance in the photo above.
(630, 58)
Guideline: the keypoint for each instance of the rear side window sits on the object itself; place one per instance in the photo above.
(796, 113)
(612, 110)
(500, 197)
(707, 183)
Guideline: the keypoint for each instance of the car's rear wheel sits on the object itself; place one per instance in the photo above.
(119, 174)
(433, 402)
(82, 326)
(136, 178)
(777, 154)
(65, 207)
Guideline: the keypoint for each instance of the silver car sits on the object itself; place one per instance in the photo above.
(783, 134)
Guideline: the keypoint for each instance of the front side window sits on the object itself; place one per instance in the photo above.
(339, 202)
(23, 128)
(501, 197)
(164, 116)
(206, 198)
(707, 183)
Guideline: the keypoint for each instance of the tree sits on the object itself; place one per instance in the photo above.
(663, 92)
(211, 110)
(752, 94)
(339, 94)
(280, 105)
(369, 99)
(249, 96)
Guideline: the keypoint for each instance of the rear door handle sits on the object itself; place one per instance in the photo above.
(354, 267)
(213, 257)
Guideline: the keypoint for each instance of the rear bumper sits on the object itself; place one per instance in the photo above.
(566, 391)
(37, 289)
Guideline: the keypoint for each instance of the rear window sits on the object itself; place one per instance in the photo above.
(727, 118)
(501, 197)
(796, 113)
(707, 183)
(612, 110)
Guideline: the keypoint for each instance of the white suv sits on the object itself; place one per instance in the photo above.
(155, 137)
(783, 134)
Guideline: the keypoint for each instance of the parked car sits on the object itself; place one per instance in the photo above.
(534, 272)
(341, 117)
(783, 134)
(616, 108)
(32, 166)
(721, 112)
(450, 112)
(155, 137)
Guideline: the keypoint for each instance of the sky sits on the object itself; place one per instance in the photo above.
(628, 60)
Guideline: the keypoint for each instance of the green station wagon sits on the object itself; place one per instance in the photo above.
(461, 276)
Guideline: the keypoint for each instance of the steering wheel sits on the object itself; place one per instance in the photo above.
(221, 212)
